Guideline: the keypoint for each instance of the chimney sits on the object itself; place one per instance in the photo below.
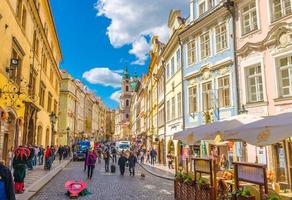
(191, 10)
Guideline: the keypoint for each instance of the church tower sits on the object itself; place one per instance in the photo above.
(125, 98)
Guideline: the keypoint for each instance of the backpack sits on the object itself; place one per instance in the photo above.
(3, 195)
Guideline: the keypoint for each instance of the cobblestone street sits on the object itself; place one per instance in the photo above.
(107, 186)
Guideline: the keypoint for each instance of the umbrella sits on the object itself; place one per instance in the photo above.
(212, 130)
(263, 132)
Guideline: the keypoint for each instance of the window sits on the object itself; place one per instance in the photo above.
(161, 117)
(51, 75)
(19, 9)
(23, 17)
(127, 88)
(167, 71)
(224, 91)
(193, 99)
(55, 106)
(173, 108)
(172, 66)
(127, 116)
(168, 110)
(205, 45)
(207, 92)
(32, 82)
(42, 94)
(254, 84)
(280, 8)
(179, 106)
(249, 18)
(221, 37)
(15, 70)
(202, 8)
(285, 76)
(49, 109)
(127, 102)
(36, 47)
(178, 59)
(45, 64)
(191, 49)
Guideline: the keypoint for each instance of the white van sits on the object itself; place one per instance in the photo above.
(123, 146)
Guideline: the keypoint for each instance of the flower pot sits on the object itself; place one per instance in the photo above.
(246, 198)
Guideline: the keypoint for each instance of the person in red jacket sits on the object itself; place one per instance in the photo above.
(48, 155)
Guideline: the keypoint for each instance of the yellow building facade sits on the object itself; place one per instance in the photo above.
(29, 73)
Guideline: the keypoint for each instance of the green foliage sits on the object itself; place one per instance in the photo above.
(203, 181)
(243, 192)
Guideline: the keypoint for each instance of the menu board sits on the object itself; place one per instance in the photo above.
(251, 174)
(203, 166)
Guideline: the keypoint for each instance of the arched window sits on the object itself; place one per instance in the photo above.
(127, 116)
(127, 102)
(127, 88)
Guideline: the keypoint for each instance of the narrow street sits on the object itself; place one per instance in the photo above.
(107, 186)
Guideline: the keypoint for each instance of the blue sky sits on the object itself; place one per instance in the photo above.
(99, 38)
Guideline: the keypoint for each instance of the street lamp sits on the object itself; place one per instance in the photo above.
(68, 131)
(53, 119)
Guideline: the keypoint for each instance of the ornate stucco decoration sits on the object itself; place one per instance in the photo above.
(223, 70)
(205, 72)
(279, 36)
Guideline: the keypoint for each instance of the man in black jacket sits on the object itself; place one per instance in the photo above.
(6, 192)
(132, 163)
(122, 163)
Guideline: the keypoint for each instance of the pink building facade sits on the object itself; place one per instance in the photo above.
(264, 54)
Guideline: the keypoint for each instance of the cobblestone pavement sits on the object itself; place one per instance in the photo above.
(107, 186)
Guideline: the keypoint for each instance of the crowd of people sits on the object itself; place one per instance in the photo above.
(25, 158)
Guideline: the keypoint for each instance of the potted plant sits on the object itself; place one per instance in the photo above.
(203, 183)
(244, 194)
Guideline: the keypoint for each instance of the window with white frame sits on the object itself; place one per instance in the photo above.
(193, 99)
(224, 91)
(191, 49)
(172, 66)
(173, 108)
(280, 8)
(167, 71)
(207, 95)
(178, 58)
(202, 7)
(168, 110)
(205, 45)
(179, 105)
(249, 17)
(254, 84)
(285, 76)
(221, 37)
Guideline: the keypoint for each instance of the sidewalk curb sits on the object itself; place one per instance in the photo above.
(35, 187)
(144, 167)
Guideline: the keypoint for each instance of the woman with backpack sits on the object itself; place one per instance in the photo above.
(90, 162)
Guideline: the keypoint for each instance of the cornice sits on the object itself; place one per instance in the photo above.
(272, 38)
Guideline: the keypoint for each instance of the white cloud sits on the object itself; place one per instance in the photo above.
(103, 76)
(139, 48)
(116, 96)
(133, 20)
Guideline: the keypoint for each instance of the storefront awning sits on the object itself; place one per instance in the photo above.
(267, 131)
(213, 130)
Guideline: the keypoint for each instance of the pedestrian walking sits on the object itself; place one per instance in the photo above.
(36, 151)
(90, 161)
(142, 157)
(147, 156)
(6, 184)
(114, 154)
(122, 163)
(152, 156)
(60, 153)
(48, 158)
(10, 158)
(41, 155)
(21, 156)
(85, 156)
(132, 162)
(30, 159)
(106, 157)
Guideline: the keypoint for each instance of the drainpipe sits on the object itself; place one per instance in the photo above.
(230, 6)
(164, 113)
(182, 82)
